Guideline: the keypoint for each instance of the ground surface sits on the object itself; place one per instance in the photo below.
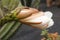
(29, 33)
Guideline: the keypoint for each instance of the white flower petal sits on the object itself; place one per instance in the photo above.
(51, 23)
(42, 19)
(48, 14)
(41, 26)
(44, 25)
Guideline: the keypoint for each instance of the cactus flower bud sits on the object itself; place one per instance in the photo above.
(36, 18)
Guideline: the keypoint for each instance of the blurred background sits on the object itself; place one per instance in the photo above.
(27, 32)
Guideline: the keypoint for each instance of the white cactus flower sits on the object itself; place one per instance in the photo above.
(36, 18)
(46, 20)
(40, 20)
(49, 15)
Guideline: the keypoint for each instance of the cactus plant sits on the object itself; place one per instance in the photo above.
(13, 14)
(6, 6)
